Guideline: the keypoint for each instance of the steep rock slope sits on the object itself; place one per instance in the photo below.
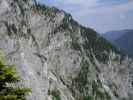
(58, 58)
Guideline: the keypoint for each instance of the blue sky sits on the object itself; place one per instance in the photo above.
(102, 15)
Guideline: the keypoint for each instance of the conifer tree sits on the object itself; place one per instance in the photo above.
(8, 79)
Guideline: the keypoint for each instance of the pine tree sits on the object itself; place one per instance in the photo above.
(8, 79)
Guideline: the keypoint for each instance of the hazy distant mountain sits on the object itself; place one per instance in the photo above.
(122, 39)
(125, 42)
(114, 35)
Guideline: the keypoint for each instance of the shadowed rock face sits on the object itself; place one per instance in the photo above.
(58, 58)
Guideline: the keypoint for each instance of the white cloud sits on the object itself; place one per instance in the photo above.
(86, 3)
(84, 11)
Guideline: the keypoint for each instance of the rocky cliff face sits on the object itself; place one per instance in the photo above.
(60, 59)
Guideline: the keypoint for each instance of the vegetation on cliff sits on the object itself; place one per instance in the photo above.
(8, 81)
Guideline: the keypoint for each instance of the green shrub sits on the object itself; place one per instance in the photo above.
(55, 94)
(88, 98)
(8, 79)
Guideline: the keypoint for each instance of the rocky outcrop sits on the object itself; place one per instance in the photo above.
(60, 59)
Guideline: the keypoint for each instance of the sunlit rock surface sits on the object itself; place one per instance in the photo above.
(60, 59)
